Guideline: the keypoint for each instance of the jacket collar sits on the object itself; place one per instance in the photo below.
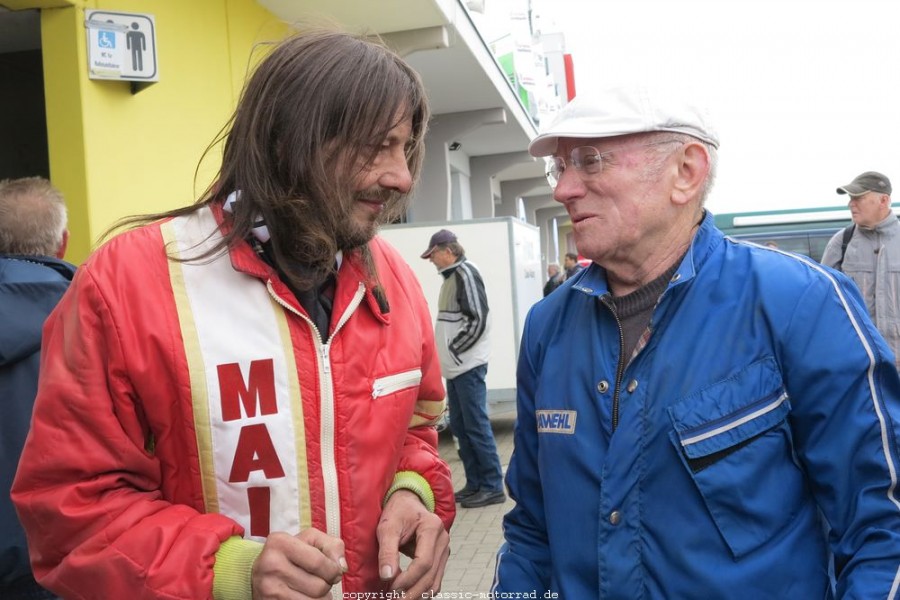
(448, 270)
(244, 259)
(592, 280)
(887, 226)
(66, 269)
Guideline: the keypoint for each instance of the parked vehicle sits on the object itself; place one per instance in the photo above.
(803, 231)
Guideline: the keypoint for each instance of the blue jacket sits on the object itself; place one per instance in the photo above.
(756, 432)
(30, 287)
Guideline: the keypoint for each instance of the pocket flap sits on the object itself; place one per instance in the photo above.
(731, 411)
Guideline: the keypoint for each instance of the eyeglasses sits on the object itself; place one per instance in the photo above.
(587, 160)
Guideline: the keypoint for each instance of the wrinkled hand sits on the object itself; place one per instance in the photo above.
(299, 567)
(407, 526)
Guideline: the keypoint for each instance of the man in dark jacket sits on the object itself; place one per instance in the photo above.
(571, 265)
(33, 239)
(554, 278)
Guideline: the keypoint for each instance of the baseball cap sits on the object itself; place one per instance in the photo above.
(444, 236)
(625, 110)
(870, 181)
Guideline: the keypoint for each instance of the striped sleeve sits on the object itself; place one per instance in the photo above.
(472, 300)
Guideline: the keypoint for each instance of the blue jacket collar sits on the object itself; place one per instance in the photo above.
(592, 281)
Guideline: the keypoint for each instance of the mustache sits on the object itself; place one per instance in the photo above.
(378, 194)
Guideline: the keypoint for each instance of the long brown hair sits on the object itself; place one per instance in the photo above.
(312, 115)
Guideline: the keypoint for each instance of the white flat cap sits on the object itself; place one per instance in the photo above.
(622, 111)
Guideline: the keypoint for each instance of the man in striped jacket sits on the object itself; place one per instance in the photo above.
(461, 333)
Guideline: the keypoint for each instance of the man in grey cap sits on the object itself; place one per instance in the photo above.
(462, 333)
(727, 423)
(868, 251)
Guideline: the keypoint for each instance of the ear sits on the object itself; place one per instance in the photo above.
(63, 244)
(693, 169)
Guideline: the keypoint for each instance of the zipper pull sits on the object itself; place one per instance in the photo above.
(326, 359)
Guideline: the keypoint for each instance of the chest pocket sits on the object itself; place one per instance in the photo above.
(859, 257)
(735, 443)
(385, 386)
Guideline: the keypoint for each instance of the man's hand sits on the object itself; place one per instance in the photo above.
(407, 526)
(301, 567)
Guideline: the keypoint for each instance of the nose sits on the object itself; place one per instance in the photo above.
(569, 187)
(396, 175)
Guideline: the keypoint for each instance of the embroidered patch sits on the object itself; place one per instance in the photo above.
(556, 421)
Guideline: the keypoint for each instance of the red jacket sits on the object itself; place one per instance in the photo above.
(182, 403)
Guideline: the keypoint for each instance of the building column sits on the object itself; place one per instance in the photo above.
(432, 200)
(511, 191)
(483, 169)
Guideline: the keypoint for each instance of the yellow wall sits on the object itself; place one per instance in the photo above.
(25, 4)
(114, 153)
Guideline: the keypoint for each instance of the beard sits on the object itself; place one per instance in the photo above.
(357, 224)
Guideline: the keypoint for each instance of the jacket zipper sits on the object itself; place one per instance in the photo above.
(620, 367)
(326, 409)
(394, 383)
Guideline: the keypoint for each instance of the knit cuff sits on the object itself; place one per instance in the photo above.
(412, 481)
(233, 569)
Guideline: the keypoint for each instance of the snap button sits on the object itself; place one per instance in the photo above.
(632, 385)
(615, 517)
(603, 386)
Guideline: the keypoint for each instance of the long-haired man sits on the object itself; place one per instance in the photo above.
(240, 394)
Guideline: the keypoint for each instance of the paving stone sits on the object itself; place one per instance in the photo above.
(477, 533)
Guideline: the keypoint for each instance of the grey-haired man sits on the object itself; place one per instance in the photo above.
(33, 278)
(726, 424)
(462, 333)
(868, 251)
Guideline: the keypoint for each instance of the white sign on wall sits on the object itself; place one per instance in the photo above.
(121, 46)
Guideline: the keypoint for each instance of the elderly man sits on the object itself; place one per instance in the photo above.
(239, 398)
(554, 278)
(33, 277)
(868, 251)
(463, 329)
(727, 422)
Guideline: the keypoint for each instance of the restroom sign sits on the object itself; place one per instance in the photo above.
(121, 46)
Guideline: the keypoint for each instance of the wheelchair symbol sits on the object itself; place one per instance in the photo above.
(106, 39)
